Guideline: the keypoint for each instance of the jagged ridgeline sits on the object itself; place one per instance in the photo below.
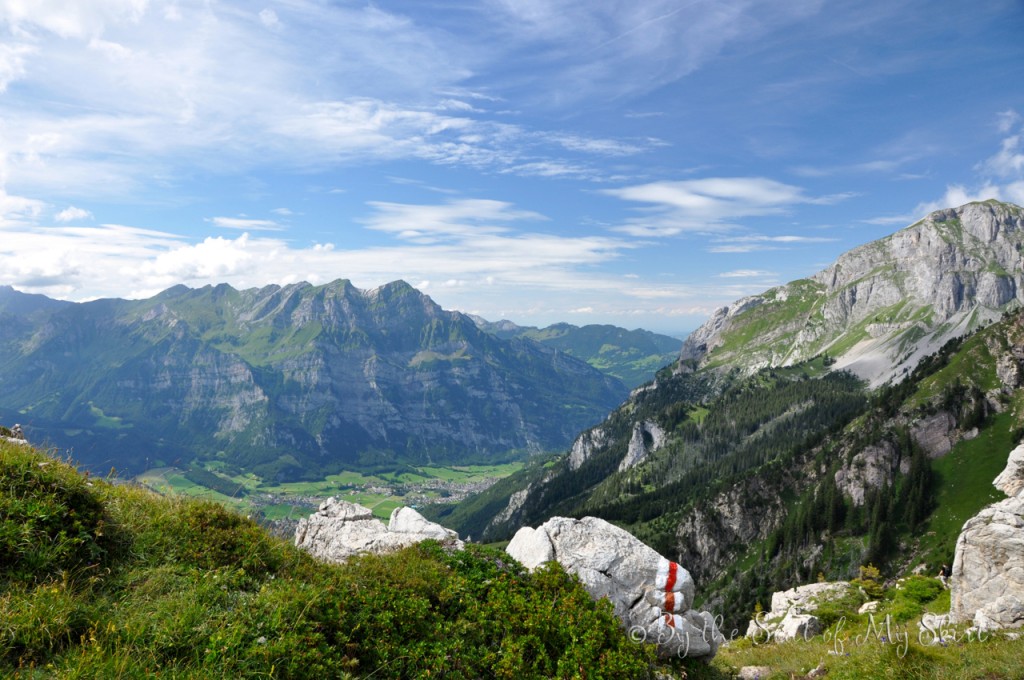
(857, 416)
(286, 382)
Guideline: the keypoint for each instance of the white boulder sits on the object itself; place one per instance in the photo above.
(987, 585)
(339, 529)
(651, 596)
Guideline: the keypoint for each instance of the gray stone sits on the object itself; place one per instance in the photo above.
(1011, 480)
(339, 530)
(754, 673)
(650, 595)
(987, 585)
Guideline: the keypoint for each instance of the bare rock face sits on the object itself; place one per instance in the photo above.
(869, 469)
(651, 595)
(647, 438)
(792, 614)
(932, 434)
(987, 585)
(585, 446)
(339, 530)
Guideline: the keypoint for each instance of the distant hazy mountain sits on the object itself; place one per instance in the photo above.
(288, 382)
(631, 356)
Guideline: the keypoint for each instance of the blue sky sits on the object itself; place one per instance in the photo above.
(634, 162)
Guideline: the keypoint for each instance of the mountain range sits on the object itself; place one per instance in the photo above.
(632, 356)
(287, 382)
(854, 417)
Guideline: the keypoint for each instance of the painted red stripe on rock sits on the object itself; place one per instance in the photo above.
(670, 582)
(670, 601)
(670, 621)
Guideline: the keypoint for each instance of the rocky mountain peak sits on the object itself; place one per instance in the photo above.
(882, 306)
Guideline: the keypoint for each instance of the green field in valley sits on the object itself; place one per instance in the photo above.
(381, 492)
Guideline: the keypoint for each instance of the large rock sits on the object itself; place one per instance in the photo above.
(339, 530)
(987, 585)
(651, 596)
(792, 614)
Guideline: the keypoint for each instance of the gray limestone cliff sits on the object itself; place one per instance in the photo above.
(880, 307)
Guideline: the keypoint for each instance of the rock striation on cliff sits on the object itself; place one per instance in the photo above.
(651, 596)
(339, 530)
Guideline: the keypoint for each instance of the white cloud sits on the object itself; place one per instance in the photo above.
(72, 214)
(434, 223)
(747, 274)
(14, 209)
(957, 195)
(12, 63)
(472, 245)
(284, 212)
(1009, 161)
(1006, 120)
(617, 48)
(246, 224)
(709, 204)
(758, 242)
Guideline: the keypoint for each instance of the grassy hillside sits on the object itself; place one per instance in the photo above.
(109, 581)
(106, 581)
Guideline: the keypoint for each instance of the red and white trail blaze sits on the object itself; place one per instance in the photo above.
(668, 581)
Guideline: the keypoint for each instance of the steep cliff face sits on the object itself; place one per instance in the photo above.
(293, 381)
(880, 307)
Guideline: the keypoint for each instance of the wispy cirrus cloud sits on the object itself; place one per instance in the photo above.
(224, 86)
(709, 204)
(758, 242)
(245, 224)
(747, 274)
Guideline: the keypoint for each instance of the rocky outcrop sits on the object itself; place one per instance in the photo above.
(987, 585)
(934, 434)
(339, 530)
(713, 532)
(869, 469)
(585, 446)
(647, 438)
(651, 596)
(792, 614)
(1011, 480)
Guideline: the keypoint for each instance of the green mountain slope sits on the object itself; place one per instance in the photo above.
(292, 382)
(758, 479)
(633, 356)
